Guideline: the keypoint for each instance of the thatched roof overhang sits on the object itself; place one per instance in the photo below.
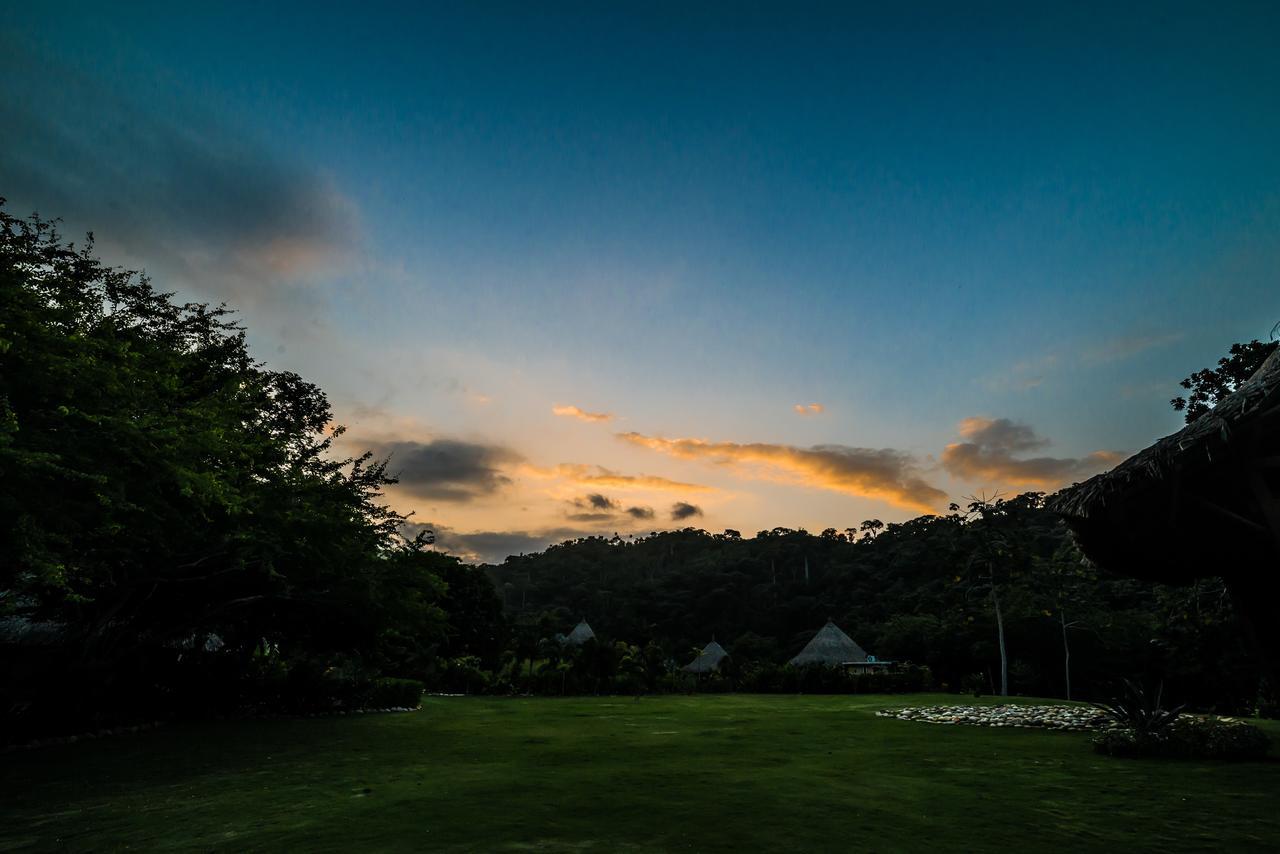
(1201, 502)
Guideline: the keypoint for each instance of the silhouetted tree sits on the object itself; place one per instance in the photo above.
(1209, 385)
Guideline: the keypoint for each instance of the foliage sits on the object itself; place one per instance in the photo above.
(170, 506)
(907, 594)
(1141, 711)
(816, 679)
(1210, 385)
(465, 675)
(387, 692)
(1189, 737)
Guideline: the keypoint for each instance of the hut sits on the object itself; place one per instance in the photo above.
(707, 661)
(1204, 501)
(581, 634)
(832, 647)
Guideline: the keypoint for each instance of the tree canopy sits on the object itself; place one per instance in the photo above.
(166, 494)
(1209, 385)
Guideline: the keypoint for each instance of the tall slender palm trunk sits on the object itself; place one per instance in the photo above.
(1004, 655)
(1066, 651)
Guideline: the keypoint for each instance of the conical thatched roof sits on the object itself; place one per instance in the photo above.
(1199, 502)
(830, 646)
(707, 661)
(581, 634)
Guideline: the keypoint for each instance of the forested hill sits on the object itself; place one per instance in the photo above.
(918, 591)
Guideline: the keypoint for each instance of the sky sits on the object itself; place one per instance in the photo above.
(586, 269)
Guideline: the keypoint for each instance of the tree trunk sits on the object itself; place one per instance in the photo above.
(1066, 651)
(1004, 656)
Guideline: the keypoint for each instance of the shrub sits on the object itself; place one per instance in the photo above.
(768, 678)
(1140, 711)
(1187, 738)
(1218, 738)
(464, 675)
(1125, 742)
(387, 693)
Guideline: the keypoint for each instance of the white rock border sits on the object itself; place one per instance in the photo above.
(1023, 716)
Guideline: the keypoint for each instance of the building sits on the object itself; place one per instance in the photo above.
(581, 634)
(833, 648)
(707, 661)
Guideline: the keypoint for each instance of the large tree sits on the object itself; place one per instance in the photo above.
(160, 490)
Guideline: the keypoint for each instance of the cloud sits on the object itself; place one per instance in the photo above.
(884, 474)
(598, 501)
(988, 453)
(1127, 346)
(582, 414)
(603, 478)
(165, 185)
(597, 509)
(591, 517)
(494, 546)
(809, 408)
(682, 510)
(1024, 375)
(447, 469)
(594, 508)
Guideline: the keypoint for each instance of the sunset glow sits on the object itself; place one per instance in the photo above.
(578, 277)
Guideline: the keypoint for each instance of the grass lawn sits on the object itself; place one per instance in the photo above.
(707, 773)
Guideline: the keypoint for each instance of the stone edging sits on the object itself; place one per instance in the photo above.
(1065, 718)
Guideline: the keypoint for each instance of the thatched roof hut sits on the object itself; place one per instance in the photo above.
(830, 646)
(581, 634)
(707, 661)
(1204, 501)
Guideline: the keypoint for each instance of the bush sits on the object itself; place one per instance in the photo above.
(1141, 711)
(1126, 742)
(304, 684)
(1187, 738)
(386, 693)
(464, 675)
(1219, 738)
(815, 679)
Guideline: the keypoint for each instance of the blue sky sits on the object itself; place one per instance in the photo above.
(455, 219)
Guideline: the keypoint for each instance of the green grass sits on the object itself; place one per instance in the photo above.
(708, 773)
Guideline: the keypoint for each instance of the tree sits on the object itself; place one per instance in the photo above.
(998, 554)
(1067, 586)
(1209, 385)
(162, 490)
(870, 528)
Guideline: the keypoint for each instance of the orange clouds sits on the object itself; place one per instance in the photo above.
(809, 408)
(987, 453)
(883, 474)
(582, 414)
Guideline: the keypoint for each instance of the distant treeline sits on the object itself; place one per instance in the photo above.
(920, 591)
